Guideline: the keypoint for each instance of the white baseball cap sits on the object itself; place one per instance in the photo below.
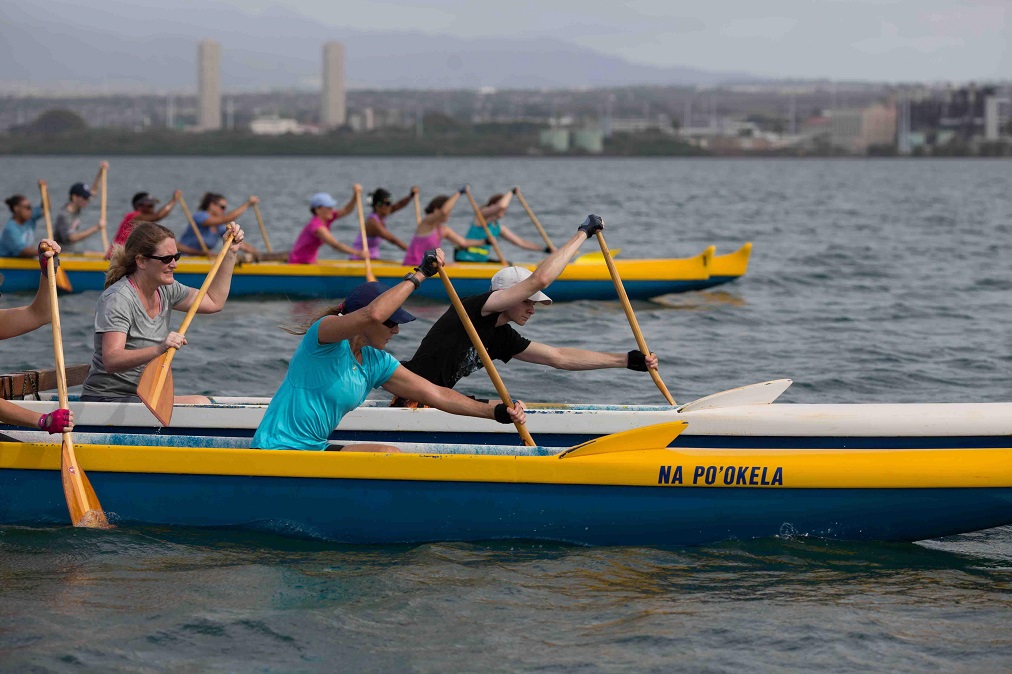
(510, 276)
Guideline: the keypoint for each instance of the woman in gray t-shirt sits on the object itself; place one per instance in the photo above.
(133, 314)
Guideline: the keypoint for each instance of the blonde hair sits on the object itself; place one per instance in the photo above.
(143, 240)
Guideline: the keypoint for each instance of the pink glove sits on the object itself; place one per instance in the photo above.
(55, 422)
(42, 261)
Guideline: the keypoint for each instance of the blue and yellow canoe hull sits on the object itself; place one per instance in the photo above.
(664, 496)
(583, 280)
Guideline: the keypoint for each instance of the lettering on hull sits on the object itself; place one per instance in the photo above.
(729, 476)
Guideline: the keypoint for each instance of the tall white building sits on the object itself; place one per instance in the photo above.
(208, 85)
(332, 103)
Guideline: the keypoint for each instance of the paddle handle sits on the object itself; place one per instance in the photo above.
(170, 353)
(263, 230)
(365, 243)
(633, 323)
(418, 209)
(534, 219)
(483, 354)
(481, 221)
(193, 226)
(102, 209)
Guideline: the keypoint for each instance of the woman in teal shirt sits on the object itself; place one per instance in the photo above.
(18, 237)
(341, 358)
(492, 212)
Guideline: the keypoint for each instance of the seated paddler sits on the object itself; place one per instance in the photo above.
(341, 358)
(22, 320)
(446, 354)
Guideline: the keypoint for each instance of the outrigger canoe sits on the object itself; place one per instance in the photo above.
(586, 279)
(741, 418)
(626, 489)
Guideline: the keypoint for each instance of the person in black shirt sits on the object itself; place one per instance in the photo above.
(446, 354)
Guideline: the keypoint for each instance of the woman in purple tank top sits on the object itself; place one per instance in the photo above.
(432, 229)
(375, 225)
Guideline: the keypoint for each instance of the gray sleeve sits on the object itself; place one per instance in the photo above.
(113, 313)
(176, 293)
(61, 229)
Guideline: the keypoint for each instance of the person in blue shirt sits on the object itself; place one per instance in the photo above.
(493, 212)
(18, 238)
(341, 359)
(211, 218)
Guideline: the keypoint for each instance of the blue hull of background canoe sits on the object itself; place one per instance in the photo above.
(339, 286)
(389, 511)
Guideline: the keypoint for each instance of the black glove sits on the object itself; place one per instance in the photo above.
(463, 189)
(42, 261)
(548, 249)
(514, 190)
(502, 414)
(592, 225)
(430, 265)
(635, 360)
(489, 241)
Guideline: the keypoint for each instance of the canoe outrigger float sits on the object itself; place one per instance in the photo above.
(624, 489)
(586, 278)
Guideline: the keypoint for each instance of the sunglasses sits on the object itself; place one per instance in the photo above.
(165, 259)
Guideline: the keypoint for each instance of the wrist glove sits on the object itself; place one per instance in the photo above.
(502, 414)
(42, 261)
(430, 265)
(514, 190)
(592, 225)
(463, 189)
(55, 421)
(636, 360)
(548, 249)
(488, 241)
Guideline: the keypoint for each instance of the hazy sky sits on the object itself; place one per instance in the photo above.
(884, 40)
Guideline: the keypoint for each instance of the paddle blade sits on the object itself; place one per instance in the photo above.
(85, 510)
(63, 281)
(657, 436)
(158, 396)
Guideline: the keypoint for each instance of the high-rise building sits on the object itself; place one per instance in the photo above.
(332, 109)
(209, 85)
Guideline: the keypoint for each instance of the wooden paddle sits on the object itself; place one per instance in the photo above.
(534, 219)
(83, 505)
(193, 226)
(102, 207)
(481, 221)
(62, 280)
(418, 209)
(486, 360)
(369, 276)
(156, 389)
(633, 323)
(263, 230)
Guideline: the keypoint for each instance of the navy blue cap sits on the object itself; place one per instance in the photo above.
(80, 190)
(363, 295)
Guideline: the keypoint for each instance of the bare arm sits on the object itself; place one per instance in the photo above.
(20, 320)
(546, 272)
(98, 176)
(410, 386)
(117, 358)
(164, 211)
(498, 209)
(324, 235)
(214, 221)
(352, 202)
(80, 236)
(217, 292)
(375, 227)
(506, 233)
(11, 413)
(334, 329)
(567, 358)
(405, 201)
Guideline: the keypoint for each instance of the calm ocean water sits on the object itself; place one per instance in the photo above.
(870, 281)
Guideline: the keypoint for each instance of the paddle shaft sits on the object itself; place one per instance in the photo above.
(193, 226)
(488, 233)
(102, 208)
(633, 323)
(483, 354)
(263, 230)
(365, 242)
(61, 279)
(534, 219)
(171, 351)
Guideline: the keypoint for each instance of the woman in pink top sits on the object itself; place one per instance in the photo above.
(317, 231)
(432, 229)
(375, 225)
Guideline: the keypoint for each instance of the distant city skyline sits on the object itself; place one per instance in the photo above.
(875, 40)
